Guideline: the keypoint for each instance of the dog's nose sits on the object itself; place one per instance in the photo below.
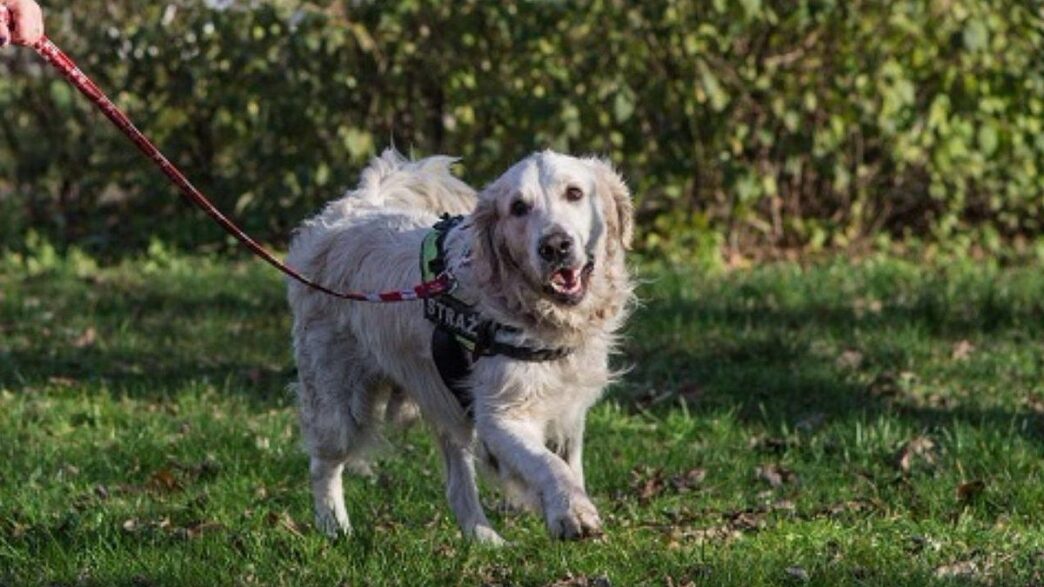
(554, 247)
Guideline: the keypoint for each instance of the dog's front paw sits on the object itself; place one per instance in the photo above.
(574, 518)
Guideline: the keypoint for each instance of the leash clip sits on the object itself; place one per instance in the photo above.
(450, 282)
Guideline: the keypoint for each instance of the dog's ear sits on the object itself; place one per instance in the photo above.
(617, 201)
(483, 247)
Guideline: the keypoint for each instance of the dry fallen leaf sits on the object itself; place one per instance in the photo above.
(811, 422)
(18, 530)
(724, 533)
(163, 480)
(962, 350)
(571, 580)
(688, 480)
(647, 483)
(87, 339)
(747, 520)
(920, 449)
(61, 381)
(769, 444)
(690, 393)
(958, 570)
(286, 522)
(969, 491)
(863, 306)
(850, 506)
(849, 359)
(197, 530)
(776, 475)
(919, 543)
(1035, 403)
(796, 573)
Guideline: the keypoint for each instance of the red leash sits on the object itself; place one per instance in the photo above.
(444, 283)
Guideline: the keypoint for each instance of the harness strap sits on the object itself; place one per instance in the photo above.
(462, 336)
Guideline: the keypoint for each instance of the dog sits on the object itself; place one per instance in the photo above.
(505, 368)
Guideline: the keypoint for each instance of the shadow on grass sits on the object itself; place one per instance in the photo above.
(782, 365)
(150, 341)
(766, 348)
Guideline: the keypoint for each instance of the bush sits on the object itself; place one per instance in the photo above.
(809, 123)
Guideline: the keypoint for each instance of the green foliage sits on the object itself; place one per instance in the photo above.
(812, 123)
(147, 437)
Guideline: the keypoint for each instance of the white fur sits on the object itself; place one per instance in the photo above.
(361, 365)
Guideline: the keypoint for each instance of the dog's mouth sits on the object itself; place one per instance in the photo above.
(568, 285)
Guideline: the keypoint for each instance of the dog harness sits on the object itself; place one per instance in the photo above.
(462, 335)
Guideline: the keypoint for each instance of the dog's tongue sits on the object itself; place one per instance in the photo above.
(567, 280)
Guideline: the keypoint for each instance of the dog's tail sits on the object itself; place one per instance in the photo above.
(392, 180)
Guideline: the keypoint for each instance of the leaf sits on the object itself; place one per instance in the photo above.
(919, 543)
(163, 480)
(571, 580)
(769, 444)
(962, 350)
(975, 35)
(970, 490)
(198, 529)
(690, 393)
(849, 359)
(796, 573)
(920, 449)
(623, 105)
(811, 422)
(776, 475)
(988, 139)
(1035, 403)
(87, 339)
(647, 483)
(688, 480)
(286, 522)
(958, 570)
(885, 385)
(863, 306)
(723, 533)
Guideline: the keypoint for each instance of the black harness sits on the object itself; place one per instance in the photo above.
(462, 335)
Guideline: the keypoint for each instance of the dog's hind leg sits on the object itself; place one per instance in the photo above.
(462, 493)
(337, 406)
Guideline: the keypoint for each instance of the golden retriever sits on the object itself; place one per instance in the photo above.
(538, 257)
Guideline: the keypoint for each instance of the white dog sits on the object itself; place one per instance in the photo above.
(506, 368)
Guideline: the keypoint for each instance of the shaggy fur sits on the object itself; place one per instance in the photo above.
(541, 249)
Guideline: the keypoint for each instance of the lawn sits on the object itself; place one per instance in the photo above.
(871, 422)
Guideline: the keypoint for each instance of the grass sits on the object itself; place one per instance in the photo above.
(878, 422)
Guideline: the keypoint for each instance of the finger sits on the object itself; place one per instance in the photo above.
(28, 22)
(5, 32)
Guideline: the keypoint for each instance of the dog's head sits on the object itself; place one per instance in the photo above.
(553, 225)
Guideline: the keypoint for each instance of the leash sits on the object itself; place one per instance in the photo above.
(441, 284)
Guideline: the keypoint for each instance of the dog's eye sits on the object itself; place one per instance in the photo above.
(519, 208)
(573, 194)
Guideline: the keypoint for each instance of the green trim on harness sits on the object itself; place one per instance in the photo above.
(429, 253)
(446, 311)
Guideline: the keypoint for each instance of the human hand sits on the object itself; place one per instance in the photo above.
(21, 22)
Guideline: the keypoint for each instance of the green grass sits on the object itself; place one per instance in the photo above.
(146, 436)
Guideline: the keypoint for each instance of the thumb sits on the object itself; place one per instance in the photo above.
(5, 29)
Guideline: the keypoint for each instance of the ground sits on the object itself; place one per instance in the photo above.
(871, 422)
